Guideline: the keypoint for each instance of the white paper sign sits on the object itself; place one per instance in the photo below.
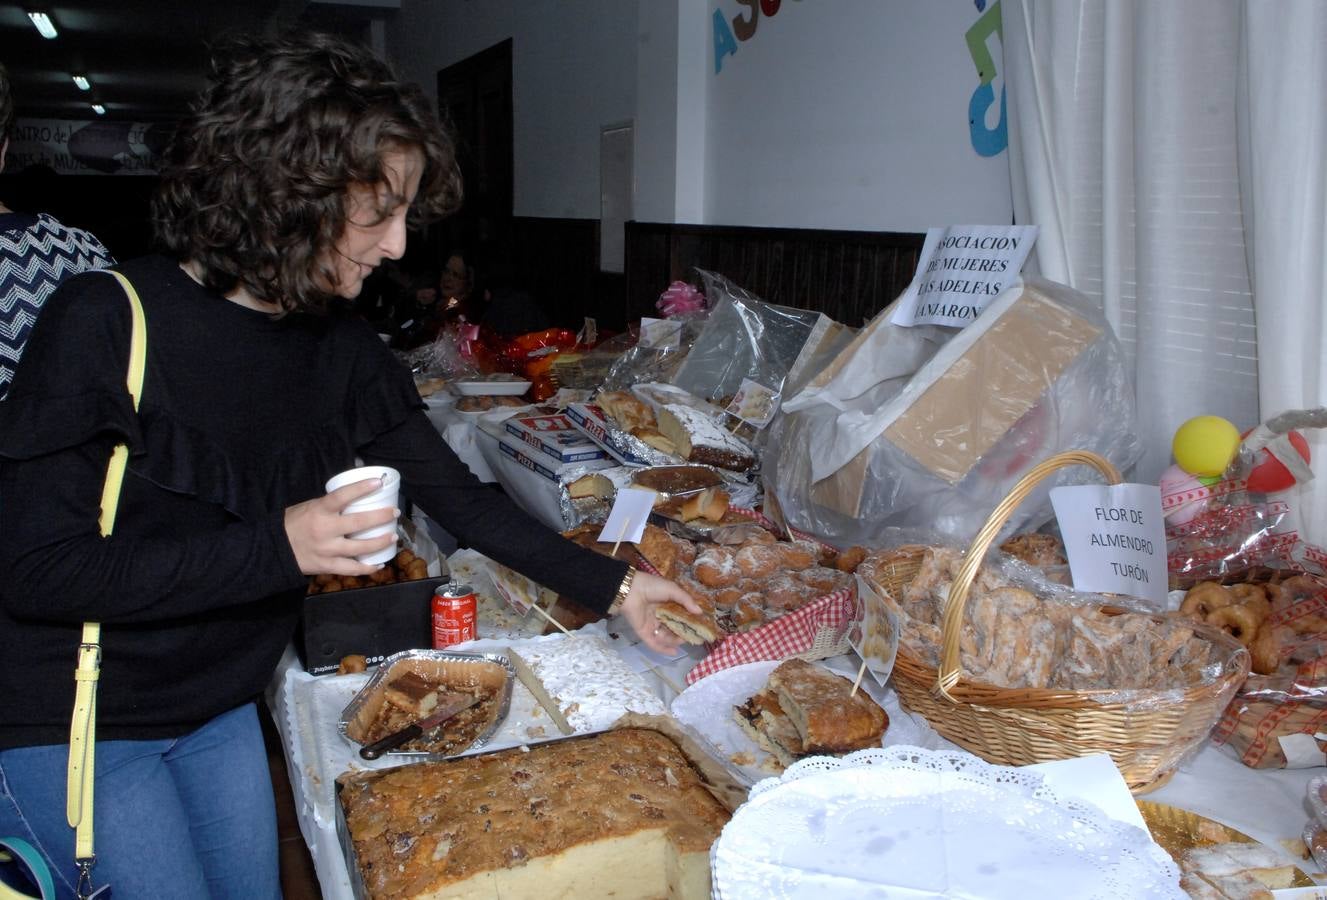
(660, 334)
(874, 632)
(961, 269)
(1115, 539)
(626, 521)
(1301, 751)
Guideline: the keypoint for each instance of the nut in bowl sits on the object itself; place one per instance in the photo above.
(407, 687)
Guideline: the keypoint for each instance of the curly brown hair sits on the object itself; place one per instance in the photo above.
(255, 180)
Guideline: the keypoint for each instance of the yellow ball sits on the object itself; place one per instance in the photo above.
(1205, 445)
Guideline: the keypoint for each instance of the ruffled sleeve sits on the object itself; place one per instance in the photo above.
(383, 392)
(70, 384)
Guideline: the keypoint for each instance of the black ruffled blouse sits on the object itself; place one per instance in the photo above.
(242, 415)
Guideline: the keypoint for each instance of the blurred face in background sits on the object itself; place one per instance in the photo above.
(455, 278)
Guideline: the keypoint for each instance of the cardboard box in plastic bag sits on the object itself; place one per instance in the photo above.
(930, 427)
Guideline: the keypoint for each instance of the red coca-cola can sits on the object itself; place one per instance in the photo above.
(453, 615)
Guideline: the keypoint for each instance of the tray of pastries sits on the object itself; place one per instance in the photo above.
(628, 813)
(1218, 861)
(407, 686)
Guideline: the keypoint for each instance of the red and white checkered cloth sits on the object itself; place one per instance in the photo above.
(786, 636)
(762, 519)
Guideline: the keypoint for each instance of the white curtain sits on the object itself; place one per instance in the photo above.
(1123, 148)
(1283, 106)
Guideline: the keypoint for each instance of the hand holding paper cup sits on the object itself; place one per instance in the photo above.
(385, 497)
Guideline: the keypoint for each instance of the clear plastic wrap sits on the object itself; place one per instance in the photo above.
(443, 358)
(747, 342)
(1226, 530)
(933, 426)
(1046, 624)
(635, 363)
(1280, 720)
(1315, 832)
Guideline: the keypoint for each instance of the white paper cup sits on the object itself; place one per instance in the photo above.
(385, 497)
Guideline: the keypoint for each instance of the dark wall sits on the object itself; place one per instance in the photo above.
(113, 207)
(848, 275)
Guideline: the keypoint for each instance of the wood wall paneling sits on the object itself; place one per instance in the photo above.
(848, 275)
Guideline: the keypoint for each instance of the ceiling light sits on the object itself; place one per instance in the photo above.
(82, 82)
(99, 109)
(44, 24)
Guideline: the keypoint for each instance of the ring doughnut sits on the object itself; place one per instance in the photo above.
(1300, 588)
(1266, 651)
(1253, 597)
(1239, 622)
(1205, 598)
(1243, 592)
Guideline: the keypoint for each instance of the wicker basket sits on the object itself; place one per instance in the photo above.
(1147, 737)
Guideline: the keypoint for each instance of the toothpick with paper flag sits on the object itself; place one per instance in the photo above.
(626, 521)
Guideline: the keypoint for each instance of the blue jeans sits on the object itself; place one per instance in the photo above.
(188, 817)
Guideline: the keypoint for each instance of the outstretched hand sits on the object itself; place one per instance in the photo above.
(647, 592)
(317, 531)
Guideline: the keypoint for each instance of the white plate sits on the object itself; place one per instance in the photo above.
(472, 388)
(707, 706)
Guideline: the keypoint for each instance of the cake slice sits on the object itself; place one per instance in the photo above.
(828, 716)
(1235, 886)
(591, 485)
(764, 721)
(700, 439)
(805, 710)
(412, 694)
(710, 504)
(1268, 867)
(627, 412)
(653, 437)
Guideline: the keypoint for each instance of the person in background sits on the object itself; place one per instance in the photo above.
(438, 299)
(36, 254)
(456, 285)
(292, 179)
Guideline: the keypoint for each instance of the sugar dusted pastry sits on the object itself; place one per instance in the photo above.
(700, 439)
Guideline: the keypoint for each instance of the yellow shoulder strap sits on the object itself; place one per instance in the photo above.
(83, 728)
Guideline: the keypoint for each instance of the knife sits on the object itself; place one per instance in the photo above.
(444, 712)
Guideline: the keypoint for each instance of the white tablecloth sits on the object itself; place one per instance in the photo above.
(1266, 804)
(459, 431)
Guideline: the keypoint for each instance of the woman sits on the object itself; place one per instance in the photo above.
(290, 182)
(36, 254)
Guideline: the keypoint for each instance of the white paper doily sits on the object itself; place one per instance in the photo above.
(909, 823)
